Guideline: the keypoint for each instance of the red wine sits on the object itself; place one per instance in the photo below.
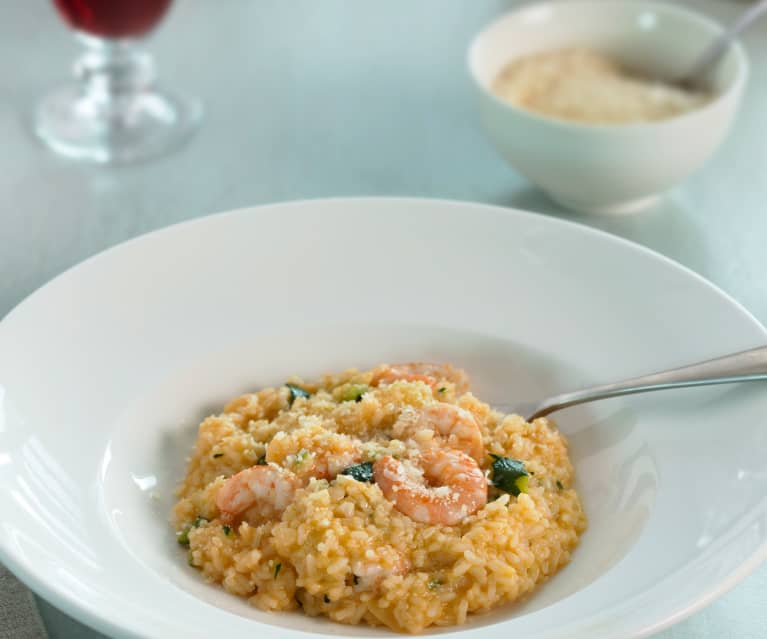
(113, 18)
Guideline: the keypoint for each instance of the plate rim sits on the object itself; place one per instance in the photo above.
(419, 200)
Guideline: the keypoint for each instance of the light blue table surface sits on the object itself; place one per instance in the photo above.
(314, 98)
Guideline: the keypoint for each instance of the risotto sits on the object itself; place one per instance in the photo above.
(388, 497)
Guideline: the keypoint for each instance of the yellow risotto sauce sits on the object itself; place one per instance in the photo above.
(388, 497)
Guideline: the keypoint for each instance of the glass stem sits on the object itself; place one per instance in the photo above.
(112, 74)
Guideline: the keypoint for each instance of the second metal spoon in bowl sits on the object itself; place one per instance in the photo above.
(717, 48)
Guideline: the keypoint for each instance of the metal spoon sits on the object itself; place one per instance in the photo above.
(717, 48)
(747, 366)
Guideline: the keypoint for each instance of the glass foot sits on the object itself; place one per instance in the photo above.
(115, 129)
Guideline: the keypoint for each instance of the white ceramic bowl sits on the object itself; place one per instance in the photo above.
(106, 372)
(607, 168)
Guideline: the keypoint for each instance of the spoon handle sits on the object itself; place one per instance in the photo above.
(747, 366)
(715, 50)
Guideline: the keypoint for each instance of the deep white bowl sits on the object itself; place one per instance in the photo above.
(106, 372)
(607, 168)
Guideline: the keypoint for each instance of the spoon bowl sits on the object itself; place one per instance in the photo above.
(607, 168)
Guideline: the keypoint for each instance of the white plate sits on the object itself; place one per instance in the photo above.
(105, 372)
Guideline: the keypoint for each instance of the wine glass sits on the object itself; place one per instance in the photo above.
(114, 112)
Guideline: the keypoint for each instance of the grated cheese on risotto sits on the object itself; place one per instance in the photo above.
(302, 498)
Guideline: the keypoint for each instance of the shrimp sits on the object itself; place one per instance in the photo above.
(429, 374)
(454, 427)
(270, 488)
(448, 487)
